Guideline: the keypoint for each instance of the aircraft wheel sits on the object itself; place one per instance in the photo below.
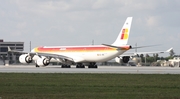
(37, 65)
(63, 66)
(93, 66)
(82, 66)
(77, 66)
(90, 66)
(66, 66)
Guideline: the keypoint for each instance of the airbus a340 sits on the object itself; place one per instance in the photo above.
(80, 55)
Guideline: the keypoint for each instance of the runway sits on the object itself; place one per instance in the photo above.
(101, 69)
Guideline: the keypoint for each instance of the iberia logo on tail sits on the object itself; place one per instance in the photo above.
(124, 35)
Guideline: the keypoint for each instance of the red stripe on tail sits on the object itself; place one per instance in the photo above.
(123, 32)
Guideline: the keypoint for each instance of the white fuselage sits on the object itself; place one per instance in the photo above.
(98, 53)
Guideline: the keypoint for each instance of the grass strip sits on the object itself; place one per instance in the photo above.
(89, 86)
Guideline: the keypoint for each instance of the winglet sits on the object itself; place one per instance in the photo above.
(169, 50)
(9, 49)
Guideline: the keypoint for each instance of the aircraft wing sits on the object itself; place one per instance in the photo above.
(153, 52)
(55, 56)
(48, 55)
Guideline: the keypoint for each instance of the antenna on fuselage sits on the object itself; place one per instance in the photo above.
(92, 42)
(136, 48)
(30, 46)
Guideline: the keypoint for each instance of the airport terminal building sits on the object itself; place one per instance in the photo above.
(5, 56)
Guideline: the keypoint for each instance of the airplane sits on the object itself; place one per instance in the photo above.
(80, 55)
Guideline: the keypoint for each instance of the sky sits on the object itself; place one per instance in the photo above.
(78, 22)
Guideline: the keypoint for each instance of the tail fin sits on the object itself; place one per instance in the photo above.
(123, 36)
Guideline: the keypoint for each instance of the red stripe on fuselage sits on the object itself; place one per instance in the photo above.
(75, 49)
(79, 49)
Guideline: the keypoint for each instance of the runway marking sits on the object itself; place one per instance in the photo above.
(101, 69)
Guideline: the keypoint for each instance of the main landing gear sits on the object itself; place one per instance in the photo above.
(37, 65)
(65, 66)
(92, 65)
(80, 65)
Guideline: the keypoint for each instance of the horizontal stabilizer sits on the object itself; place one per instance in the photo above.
(144, 46)
(110, 46)
(125, 47)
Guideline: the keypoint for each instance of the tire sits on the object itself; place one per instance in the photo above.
(82, 66)
(95, 66)
(68, 66)
(77, 66)
(37, 65)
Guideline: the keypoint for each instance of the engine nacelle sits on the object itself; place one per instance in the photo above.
(118, 59)
(123, 59)
(42, 61)
(25, 58)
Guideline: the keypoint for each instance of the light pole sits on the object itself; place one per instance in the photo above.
(145, 60)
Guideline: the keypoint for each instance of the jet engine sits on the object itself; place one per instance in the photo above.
(25, 58)
(42, 61)
(118, 59)
(123, 59)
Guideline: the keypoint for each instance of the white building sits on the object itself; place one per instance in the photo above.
(175, 62)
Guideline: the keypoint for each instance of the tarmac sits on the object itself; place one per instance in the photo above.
(100, 69)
